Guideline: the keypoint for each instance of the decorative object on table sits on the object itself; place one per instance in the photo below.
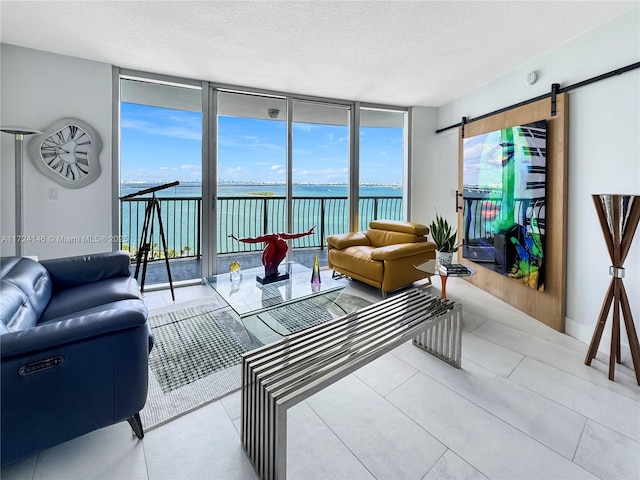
(19, 134)
(315, 274)
(444, 236)
(619, 216)
(275, 250)
(455, 269)
(234, 271)
(504, 201)
(67, 152)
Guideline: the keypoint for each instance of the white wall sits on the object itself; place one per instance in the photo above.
(604, 154)
(38, 88)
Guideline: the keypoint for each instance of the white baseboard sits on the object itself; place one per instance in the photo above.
(584, 334)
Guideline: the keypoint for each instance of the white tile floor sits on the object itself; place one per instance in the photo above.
(523, 405)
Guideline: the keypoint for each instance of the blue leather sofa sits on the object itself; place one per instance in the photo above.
(74, 349)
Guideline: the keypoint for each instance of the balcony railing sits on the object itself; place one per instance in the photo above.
(248, 217)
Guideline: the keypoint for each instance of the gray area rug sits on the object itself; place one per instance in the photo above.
(197, 352)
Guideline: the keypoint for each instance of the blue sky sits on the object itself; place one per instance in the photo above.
(163, 145)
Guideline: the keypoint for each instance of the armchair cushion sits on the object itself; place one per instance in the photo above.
(397, 226)
(401, 250)
(383, 238)
(349, 239)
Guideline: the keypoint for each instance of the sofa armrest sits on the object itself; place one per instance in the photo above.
(56, 334)
(402, 250)
(73, 271)
(345, 240)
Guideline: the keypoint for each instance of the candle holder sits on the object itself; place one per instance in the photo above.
(619, 216)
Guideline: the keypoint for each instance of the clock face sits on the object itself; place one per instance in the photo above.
(67, 152)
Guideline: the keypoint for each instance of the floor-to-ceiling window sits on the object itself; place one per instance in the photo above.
(381, 165)
(251, 172)
(319, 174)
(272, 163)
(161, 144)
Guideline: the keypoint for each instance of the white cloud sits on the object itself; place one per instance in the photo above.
(179, 128)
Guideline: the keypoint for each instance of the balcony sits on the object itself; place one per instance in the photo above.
(248, 216)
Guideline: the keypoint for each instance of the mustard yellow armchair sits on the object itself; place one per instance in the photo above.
(384, 255)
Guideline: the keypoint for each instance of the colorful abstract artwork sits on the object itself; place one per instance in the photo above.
(504, 192)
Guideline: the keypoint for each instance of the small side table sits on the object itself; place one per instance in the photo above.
(432, 268)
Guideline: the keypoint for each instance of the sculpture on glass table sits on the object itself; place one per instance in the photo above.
(274, 251)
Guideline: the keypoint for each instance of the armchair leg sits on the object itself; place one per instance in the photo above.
(136, 425)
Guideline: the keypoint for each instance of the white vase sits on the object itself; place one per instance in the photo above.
(443, 258)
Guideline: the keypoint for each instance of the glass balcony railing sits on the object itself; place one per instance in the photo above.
(246, 217)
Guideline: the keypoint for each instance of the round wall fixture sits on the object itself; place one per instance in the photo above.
(532, 77)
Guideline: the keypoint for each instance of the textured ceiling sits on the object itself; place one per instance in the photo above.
(391, 52)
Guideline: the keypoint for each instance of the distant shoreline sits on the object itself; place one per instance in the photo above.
(250, 184)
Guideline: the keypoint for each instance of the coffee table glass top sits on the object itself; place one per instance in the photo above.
(248, 297)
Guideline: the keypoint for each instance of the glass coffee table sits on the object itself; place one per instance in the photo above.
(285, 307)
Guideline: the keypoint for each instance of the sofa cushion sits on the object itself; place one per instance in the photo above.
(25, 291)
(357, 259)
(74, 271)
(382, 238)
(398, 226)
(91, 295)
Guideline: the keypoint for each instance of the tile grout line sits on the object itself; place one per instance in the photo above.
(338, 437)
(494, 415)
(592, 382)
(584, 427)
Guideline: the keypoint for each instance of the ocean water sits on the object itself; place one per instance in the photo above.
(244, 209)
(186, 189)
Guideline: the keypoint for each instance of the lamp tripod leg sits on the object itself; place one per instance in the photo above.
(634, 346)
(614, 351)
(602, 320)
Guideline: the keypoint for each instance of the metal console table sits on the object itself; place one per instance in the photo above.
(280, 375)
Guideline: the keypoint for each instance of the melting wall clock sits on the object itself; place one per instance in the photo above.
(67, 152)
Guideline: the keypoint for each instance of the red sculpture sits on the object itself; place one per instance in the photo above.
(275, 249)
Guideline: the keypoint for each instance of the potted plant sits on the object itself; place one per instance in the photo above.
(444, 236)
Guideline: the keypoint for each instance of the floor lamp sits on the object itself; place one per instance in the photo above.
(19, 134)
(619, 216)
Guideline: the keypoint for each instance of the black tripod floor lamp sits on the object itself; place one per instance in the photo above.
(619, 216)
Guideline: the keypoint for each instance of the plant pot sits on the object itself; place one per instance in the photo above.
(443, 258)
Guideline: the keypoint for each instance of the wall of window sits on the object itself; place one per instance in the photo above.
(261, 162)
